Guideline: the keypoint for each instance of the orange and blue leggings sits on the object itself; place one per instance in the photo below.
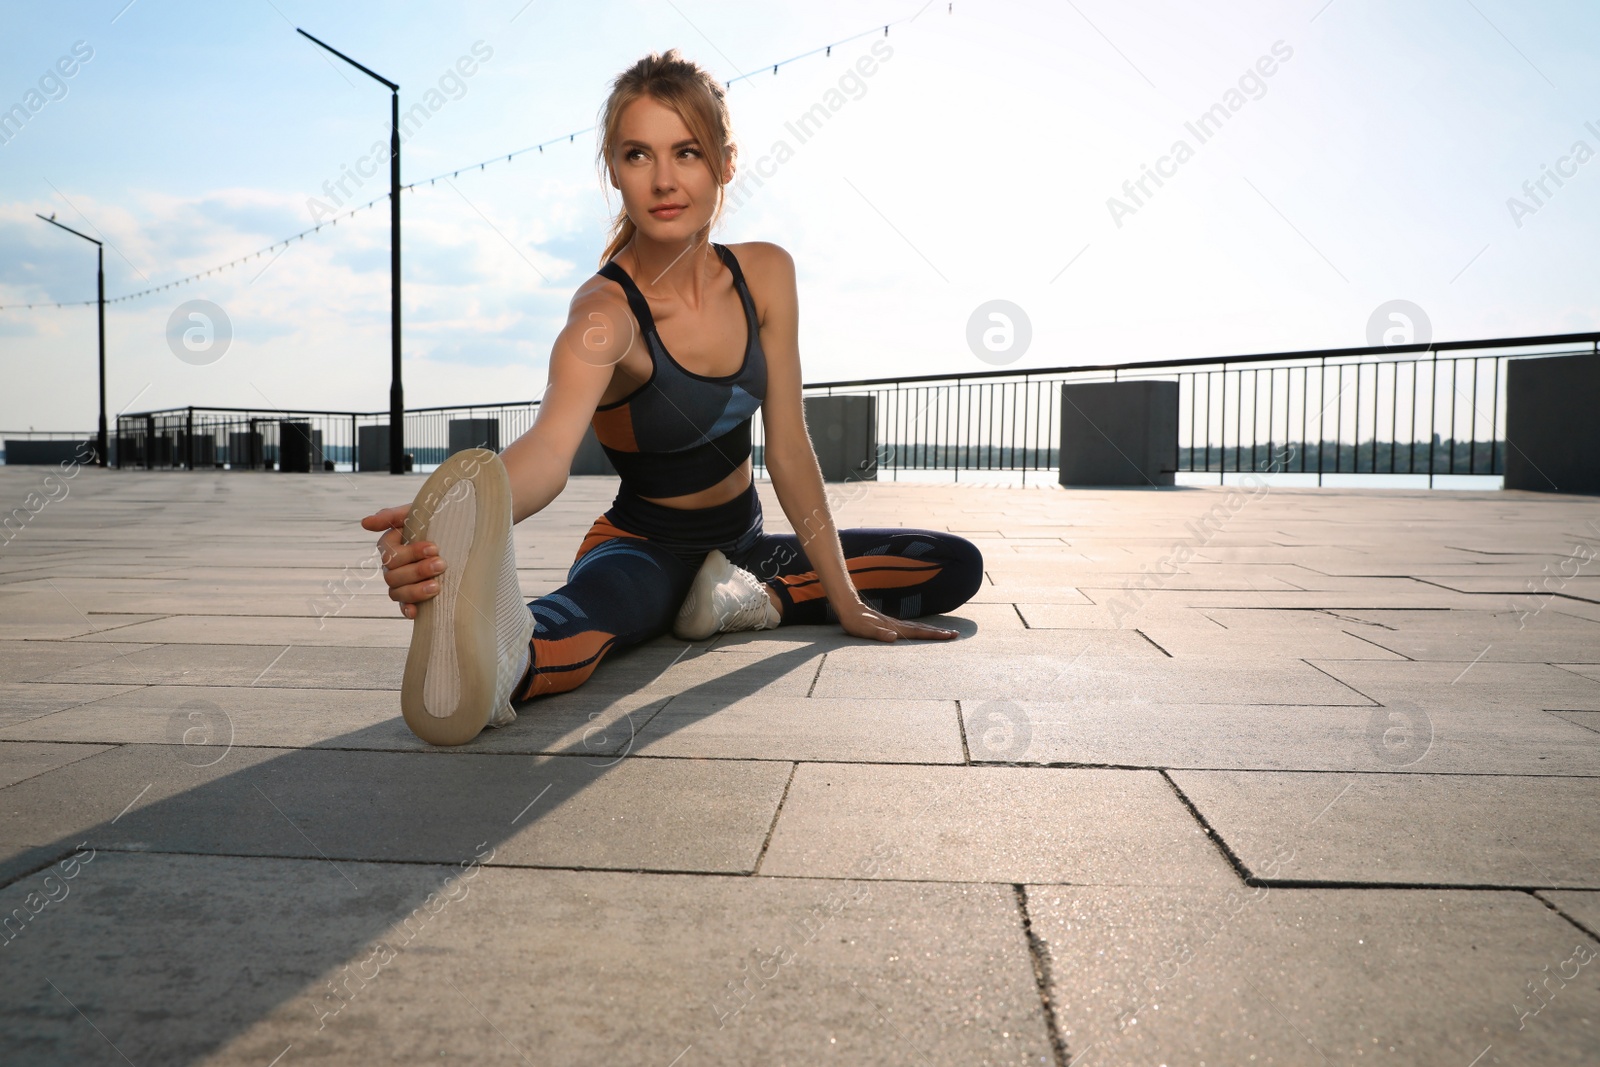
(625, 587)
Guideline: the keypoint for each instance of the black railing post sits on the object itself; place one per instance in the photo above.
(100, 283)
(1494, 419)
(1433, 413)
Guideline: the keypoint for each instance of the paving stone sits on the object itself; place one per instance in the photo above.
(1580, 587)
(1500, 636)
(1577, 609)
(20, 760)
(1297, 642)
(1405, 829)
(251, 630)
(24, 624)
(1585, 670)
(798, 728)
(1584, 908)
(417, 965)
(864, 673)
(1589, 720)
(1468, 683)
(657, 814)
(215, 717)
(321, 668)
(991, 824)
(186, 664)
(1239, 976)
(787, 669)
(1102, 612)
(38, 661)
(315, 603)
(22, 701)
(1423, 597)
(1408, 739)
(1015, 592)
(1507, 621)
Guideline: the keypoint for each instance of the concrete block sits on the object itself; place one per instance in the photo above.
(844, 434)
(299, 447)
(473, 433)
(1119, 433)
(200, 452)
(42, 452)
(372, 449)
(245, 451)
(591, 458)
(1552, 434)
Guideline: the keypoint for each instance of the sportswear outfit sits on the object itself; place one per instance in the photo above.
(679, 433)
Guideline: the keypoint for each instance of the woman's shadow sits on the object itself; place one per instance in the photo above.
(169, 952)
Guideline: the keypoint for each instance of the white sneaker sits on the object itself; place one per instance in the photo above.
(469, 645)
(724, 599)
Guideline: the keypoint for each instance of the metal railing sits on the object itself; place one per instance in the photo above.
(1405, 409)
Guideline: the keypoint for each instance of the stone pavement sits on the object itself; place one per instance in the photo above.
(1270, 776)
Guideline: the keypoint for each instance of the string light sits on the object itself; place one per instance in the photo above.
(570, 138)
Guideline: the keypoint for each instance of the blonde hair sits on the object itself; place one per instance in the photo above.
(699, 100)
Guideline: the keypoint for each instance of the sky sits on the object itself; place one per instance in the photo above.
(993, 153)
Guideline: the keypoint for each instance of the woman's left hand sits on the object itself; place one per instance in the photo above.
(860, 620)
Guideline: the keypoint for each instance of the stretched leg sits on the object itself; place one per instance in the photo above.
(622, 589)
(900, 572)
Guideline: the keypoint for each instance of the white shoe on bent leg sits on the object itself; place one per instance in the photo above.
(724, 599)
(469, 645)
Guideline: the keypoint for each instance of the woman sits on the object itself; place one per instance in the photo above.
(667, 353)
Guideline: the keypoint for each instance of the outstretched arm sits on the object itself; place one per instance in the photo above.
(597, 335)
(792, 462)
(599, 331)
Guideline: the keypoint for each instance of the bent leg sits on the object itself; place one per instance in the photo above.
(902, 573)
(622, 589)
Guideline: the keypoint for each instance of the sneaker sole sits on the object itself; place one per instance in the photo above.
(695, 620)
(448, 690)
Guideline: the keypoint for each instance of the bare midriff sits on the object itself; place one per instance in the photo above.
(724, 491)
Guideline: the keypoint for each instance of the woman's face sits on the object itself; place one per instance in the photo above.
(661, 170)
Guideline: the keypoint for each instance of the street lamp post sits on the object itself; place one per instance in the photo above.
(100, 276)
(397, 404)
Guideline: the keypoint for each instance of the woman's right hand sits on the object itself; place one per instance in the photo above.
(411, 571)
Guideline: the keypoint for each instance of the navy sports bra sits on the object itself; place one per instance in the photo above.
(681, 432)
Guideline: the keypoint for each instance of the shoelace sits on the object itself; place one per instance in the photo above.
(751, 597)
